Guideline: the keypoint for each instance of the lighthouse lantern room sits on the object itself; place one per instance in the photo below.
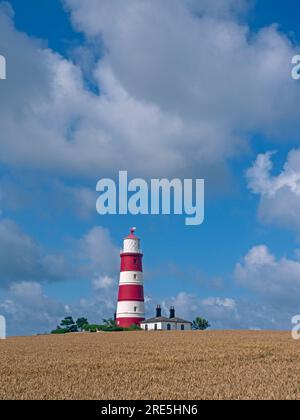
(130, 308)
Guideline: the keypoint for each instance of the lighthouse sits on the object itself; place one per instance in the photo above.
(131, 308)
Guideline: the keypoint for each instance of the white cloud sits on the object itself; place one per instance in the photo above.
(228, 313)
(275, 280)
(23, 259)
(97, 253)
(101, 303)
(220, 312)
(164, 78)
(272, 297)
(182, 86)
(28, 310)
(274, 284)
(219, 8)
(279, 194)
(104, 282)
(226, 303)
(163, 54)
(49, 197)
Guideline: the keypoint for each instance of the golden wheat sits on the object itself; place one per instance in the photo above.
(151, 365)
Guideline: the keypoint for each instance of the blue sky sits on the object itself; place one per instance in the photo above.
(188, 89)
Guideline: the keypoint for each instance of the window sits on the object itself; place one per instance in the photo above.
(134, 261)
(155, 326)
(146, 327)
(182, 327)
(168, 326)
(135, 308)
(135, 276)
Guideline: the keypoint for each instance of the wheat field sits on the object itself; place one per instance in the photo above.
(151, 365)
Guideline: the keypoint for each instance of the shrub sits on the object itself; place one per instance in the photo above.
(200, 324)
(60, 331)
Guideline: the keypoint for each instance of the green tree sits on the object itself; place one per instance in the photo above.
(109, 322)
(200, 324)
(59, 330)
(81, 322)
(67, 321)
(69, 324)
(86, 327)
(73, 328)
(111, 325)
(92, 327)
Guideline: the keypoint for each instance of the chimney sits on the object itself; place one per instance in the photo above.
(158, 311)
(172, 312)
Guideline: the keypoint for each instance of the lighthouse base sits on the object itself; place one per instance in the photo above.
(128, 322)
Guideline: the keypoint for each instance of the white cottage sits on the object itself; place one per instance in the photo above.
(160, 322)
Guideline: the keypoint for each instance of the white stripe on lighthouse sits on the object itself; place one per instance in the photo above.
(131, 246)
(130, 309)
(131, 283)
(131, 277)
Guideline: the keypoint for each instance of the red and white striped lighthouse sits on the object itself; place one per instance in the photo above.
(130, 308)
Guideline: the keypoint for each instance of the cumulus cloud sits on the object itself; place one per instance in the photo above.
(166, 72)
(273, 299)
(102, 303)
(47, 197)
(231, 313)
(221, 312)
(220, 8)
(28, 310)
(103, 282)
(23, 259)
(98, 253)
(180, 87)
(273, 294)
(279, 194)
(277, 281)
(189, 60)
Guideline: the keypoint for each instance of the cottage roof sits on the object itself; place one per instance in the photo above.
(165, 319)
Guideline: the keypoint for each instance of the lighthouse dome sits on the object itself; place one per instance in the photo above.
(131, 242)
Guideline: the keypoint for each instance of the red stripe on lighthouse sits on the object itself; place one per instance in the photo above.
(128, 322)
(131, 292)
(131, 262)
(131, 308)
